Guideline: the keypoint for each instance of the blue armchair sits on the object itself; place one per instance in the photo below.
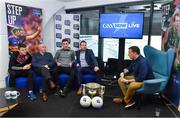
(161, 65)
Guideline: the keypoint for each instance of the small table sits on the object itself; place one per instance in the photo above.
(3, 101)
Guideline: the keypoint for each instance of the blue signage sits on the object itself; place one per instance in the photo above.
(122, 25)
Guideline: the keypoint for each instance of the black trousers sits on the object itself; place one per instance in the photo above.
(46, 77)
(25, 73)
(68, 70)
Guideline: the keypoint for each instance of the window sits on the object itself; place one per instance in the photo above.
(156, 41)
(110, 48)
(92, 42)
(134, 42)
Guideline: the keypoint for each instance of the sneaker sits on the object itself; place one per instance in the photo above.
(63, 92)
(79, 92)
(129, 105)
(32, 96)
(58, 92)
(117, 100)
(44, 97)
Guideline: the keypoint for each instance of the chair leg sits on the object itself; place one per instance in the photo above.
(138, 99)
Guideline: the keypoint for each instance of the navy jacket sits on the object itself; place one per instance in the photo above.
(141, 69)
(89, 56)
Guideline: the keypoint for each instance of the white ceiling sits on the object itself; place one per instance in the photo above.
(68, 0)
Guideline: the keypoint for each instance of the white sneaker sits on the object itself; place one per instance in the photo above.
(130, 105)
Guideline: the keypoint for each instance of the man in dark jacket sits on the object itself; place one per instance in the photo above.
(86, 63)
(42, 63)
(20, 65)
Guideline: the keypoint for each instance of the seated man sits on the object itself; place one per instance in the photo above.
(140, 70)
(20, 65)
(86, 63)
(42, 62)
(64, 59)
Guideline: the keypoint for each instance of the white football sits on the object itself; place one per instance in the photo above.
(85, 101)
(97, 102)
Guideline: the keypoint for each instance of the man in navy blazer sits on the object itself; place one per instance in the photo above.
(86, 63)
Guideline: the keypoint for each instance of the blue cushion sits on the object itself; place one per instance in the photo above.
(88, 78)
(38, 82)
(63, 78)
(21, 82)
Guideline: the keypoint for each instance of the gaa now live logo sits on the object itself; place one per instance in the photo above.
(121, 25)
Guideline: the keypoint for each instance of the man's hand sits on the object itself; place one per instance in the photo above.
(77, 65)
(124, 80)
(125, 71)
(122, 75)
(46, 66)
(58, 64)
(96, 68)
(27, 67)
(70, 65)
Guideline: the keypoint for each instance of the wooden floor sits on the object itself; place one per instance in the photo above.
(5, 109)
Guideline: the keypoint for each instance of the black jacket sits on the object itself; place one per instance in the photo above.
(89, 56)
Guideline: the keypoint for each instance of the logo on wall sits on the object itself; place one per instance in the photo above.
(24, 25)
(67, 22)
(58, 35)
(76, 17)
(76, 26)
(58, 17)
(58, 26)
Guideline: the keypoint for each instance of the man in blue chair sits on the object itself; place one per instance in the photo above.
(86, 63)
(42, 63)
(20, 65)
(64, 59)
(135, 74)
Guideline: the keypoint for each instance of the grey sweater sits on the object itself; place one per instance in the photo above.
(64, 56)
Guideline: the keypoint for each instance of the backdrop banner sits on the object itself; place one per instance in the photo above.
(24, 25)
(171, 39)
(67, 26)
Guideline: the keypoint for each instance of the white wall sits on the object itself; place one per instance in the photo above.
(49, 9)
(94, 3)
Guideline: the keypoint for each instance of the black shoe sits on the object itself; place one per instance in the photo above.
(58, 92)
(63, 92)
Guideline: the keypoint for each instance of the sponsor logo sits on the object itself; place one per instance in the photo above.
(121, 25)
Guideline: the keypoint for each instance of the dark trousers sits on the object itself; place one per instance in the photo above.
(24, 73)
(87, 70)
(46, 77)
(68, 70)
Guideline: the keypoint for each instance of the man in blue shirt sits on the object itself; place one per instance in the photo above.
(138, 71)
(42, 62)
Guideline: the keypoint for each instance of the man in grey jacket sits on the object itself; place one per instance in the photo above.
(64, 59)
